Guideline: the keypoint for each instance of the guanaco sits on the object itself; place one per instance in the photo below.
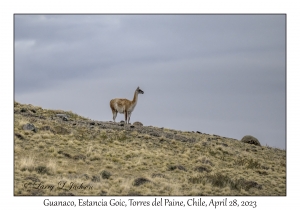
(124, 106)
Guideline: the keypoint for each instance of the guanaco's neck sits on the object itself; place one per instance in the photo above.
(135, 98)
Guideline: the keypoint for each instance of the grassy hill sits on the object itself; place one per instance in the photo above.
(61, 153)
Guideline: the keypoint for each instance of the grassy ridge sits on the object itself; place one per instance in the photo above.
(78, 156)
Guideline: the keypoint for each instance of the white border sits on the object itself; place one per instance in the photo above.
(8, 8)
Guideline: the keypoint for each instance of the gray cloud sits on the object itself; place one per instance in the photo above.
(222, 74)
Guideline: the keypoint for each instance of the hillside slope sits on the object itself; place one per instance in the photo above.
(61, 153)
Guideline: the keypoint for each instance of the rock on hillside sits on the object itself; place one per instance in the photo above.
(250, 140)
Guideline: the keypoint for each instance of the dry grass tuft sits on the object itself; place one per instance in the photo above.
(27, 163)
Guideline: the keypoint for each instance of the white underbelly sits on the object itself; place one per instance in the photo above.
(120, 110)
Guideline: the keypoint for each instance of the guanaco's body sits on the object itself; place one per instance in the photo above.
(124, 106)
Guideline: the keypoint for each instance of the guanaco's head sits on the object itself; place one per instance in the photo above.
(139, 90)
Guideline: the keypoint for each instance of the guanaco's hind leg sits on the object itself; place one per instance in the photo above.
(114, 115)
(126, 116)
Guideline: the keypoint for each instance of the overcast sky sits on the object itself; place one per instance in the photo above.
(217, 74)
